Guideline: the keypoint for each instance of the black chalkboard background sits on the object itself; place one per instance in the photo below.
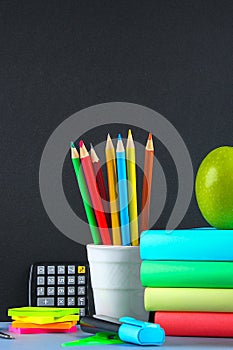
(57, 57)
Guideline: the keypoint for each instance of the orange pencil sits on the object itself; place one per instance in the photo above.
(94, 194)
(112, 189)
(147, 182)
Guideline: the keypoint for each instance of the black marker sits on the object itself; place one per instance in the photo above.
(95, 325)
(6, 336)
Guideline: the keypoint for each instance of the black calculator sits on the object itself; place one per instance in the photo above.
(60, 285)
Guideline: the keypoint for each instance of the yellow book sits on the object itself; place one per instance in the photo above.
(189, 299)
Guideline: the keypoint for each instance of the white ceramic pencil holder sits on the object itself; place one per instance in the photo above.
(115, 279)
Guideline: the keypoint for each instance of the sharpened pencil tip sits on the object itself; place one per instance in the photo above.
(93, 154)
(109, 144)
(130, 143)
(74, 151)
(119, 137)
(81, 143)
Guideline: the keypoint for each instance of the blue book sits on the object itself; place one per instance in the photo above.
(204, 244)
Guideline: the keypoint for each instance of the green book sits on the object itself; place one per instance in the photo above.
(188, 299)
(187, 274)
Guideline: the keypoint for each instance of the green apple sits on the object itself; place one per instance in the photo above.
(214, 188)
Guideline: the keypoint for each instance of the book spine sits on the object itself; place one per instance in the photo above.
(188, 299)
(190, 274)
(196, 324)
(194, 244)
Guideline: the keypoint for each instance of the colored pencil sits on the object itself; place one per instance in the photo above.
(123, 192)
(112, 189)
(85, 195)
(94, 194)
(100, 183)
(132, 188)
(147, 182)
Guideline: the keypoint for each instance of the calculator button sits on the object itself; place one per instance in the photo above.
(71, 290)
(45, 301)
(81, 290)
(71, 269)
(82, 311)
(71, 301)
(61, 290)
(71, 280)
(61, 280)
(81, 279)
(81, 269)
(40, 291)
(51, 280)
(50, 291)
(81, 301)
(40, 281)
(40, 270)
(51, 270)
(61, 270)
(60, 301)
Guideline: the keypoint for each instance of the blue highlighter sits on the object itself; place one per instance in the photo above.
(140, 333)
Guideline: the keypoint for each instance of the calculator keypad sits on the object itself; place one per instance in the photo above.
(45, 301)
(50, 291)
(40, 281)
(51, 280)
(61, 291)
(40, 270)
(40, 291)
(60, 285)
(51, 270)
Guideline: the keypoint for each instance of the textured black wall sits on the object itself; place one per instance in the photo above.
(57, 57)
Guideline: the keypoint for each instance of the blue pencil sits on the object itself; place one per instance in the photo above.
(123, 192)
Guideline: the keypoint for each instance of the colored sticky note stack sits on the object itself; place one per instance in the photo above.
(188, 275)
(37, 320)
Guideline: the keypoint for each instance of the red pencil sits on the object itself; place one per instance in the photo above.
(94, 194)
(147, 183)
(100, 183)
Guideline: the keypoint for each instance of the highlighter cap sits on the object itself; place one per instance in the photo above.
(140, 333)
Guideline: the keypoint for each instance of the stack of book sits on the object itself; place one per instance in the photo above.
(188, 275)
(36, 320)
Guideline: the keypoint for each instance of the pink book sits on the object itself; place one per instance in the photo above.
(196, 324)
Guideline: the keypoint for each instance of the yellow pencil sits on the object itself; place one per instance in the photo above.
(112, 188)
(132, 189)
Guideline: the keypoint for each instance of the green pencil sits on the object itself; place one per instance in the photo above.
(85, 195)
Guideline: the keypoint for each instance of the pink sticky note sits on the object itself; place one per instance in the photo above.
(40, 330)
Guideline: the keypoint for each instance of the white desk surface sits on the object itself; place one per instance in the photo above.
(54, 341)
